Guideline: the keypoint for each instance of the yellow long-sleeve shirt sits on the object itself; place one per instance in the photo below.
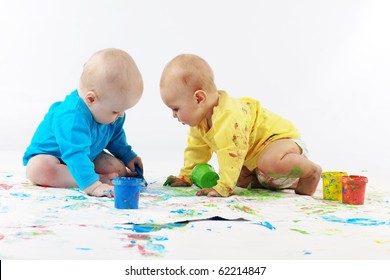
(240, 131)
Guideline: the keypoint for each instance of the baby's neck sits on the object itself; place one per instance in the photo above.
(213, 103)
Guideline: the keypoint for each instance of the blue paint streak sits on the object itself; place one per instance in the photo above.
(266, 224)
(21, 195)
(355, 221)
(75, 197)
(156, 247)
(188, 212)
(160, 238)
(145, 228)
(179, 211)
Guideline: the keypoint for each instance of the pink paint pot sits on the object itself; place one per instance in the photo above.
(354, 189)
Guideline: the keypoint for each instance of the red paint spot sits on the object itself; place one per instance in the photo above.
(138, 237)
(232, 155)
(142, 250)
(130, 246)
(1, 236)
(5, 186)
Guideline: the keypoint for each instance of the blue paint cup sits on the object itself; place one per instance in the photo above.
(127, 190)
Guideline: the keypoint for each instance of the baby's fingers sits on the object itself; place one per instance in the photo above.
(180, 183)
(207, 192)
(108, 193)
(169, 180)
(104, 190)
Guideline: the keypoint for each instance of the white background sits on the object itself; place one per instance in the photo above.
(325, 65)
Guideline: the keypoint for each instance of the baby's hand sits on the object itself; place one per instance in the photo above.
(174, 181)
(107, 178)
(100, 190)
(208, 192)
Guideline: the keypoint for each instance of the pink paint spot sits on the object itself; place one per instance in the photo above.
(5, 186)
(1, 236)
(138, 237)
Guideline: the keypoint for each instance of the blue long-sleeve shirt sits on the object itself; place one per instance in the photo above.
(70, 133)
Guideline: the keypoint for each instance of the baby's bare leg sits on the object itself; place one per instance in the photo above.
(282, 159)
(311, 174)
(47, 170)
(108, 167)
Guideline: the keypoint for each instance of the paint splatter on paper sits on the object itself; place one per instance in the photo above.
(79, 226)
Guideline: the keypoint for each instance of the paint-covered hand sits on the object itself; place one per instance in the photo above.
(137, 161)
(100, 189)
(208, 192)
(174, 181)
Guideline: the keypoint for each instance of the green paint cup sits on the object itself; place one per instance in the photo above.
(331, 185)
(204, 176)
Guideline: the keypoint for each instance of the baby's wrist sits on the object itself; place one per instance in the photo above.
(93, 187)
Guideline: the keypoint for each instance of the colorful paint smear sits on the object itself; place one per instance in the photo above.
(54, 218)
(188, 212)
(5, 187)
(145, 228)
(356, 221)
(266, 224)
(299, 230)
(145, 244)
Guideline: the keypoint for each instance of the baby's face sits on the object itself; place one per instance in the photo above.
(183, 105)
(108, 109)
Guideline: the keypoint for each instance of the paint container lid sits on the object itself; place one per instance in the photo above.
(127, 181)
(354, 180)
(332, 174)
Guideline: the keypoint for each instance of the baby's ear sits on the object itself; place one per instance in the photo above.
(90, 97)
(200, 96)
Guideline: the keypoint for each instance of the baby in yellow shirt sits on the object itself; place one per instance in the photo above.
(254, 147)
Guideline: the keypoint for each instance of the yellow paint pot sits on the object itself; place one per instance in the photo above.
(331, 185)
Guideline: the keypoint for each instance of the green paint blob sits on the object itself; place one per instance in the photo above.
(299, 230)
(258, 194)
(296, 172)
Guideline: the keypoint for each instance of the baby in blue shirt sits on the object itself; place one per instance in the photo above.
(81, 141)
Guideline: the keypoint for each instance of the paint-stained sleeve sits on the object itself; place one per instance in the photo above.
(231, 138)
(197, 151)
